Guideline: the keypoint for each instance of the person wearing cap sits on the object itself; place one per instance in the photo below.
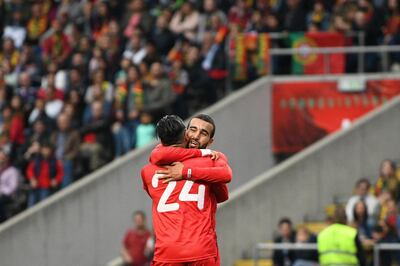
(339, 244)
(45, 173)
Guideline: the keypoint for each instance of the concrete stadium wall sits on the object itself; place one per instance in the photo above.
(307, 182)
(84, 224)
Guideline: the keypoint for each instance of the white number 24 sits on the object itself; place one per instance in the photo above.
(163, 206)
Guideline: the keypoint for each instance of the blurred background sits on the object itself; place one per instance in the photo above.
(304, 94)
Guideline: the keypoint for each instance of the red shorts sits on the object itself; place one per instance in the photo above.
(206, 262)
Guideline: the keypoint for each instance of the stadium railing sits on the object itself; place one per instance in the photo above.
(383, 50)
(310, 246)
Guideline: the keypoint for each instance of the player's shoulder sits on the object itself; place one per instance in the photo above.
(148, 168)
(203, 161)
(223, 156)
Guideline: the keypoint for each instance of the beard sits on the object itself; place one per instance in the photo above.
(194, 144)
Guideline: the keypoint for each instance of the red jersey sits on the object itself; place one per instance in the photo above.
(135, 243)
(184, 211)
(217, 175)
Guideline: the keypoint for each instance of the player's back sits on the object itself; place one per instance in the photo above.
(183, 216)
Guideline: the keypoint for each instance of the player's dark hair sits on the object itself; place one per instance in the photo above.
(170, 130)
(206, 118)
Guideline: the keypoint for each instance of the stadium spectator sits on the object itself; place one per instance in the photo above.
(37, 23)
(137, 245)
(305, 257)
(56, 47)
(392, 218)
(26, 91)
(15, 28)
(200, 88)
(66, 140)
(319, 17)
(135, 50)
(362, 221)
(362, 189)
(145, 131)
(96, 148)
(210, 11)
(158, 93)
(162, 36)
(9, 183)
(293, 20)
(387, 180)
(185, 21)
(139, 18)
(286, 234)
(383, 234)
(45, 174)
(179, 79)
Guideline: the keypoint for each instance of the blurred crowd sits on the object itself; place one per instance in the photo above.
(82, 82)
(373, 210)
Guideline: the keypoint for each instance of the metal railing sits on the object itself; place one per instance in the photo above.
(359, 50)
(309, 246)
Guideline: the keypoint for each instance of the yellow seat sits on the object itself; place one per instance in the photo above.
(249, 262)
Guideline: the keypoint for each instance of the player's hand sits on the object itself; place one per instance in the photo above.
(172, 172)
(214, 155)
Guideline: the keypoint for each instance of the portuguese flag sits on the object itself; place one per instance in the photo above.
(307, 62)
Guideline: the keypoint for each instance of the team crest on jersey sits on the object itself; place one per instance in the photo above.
(305, 56)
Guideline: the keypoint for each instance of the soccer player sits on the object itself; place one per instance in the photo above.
(200, 135)
(184, 210)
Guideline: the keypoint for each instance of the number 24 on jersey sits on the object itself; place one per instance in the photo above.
(163, 206)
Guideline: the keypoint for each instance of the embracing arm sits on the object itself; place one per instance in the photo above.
(162, 155)
(220, 191)
(219, 173)
(222, 174)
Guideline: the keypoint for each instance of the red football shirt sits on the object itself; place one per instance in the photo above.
(184, 212)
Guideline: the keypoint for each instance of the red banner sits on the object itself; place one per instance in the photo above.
(304, 112)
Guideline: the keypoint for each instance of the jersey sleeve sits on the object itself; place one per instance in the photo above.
(162, 155)
(144, 181)
(220, 191)
(219, 173)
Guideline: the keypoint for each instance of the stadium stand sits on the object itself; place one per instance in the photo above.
(87, 79)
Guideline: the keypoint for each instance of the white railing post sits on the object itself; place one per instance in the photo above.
(376, 255)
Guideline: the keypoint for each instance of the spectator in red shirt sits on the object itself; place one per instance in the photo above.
(44, 173)
(137, 244)
(56, 47)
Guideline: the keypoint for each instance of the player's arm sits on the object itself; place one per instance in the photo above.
(144, 181)
(162, 155)
(219, 173)
(220, 192)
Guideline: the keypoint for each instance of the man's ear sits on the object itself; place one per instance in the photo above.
(210, 142)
